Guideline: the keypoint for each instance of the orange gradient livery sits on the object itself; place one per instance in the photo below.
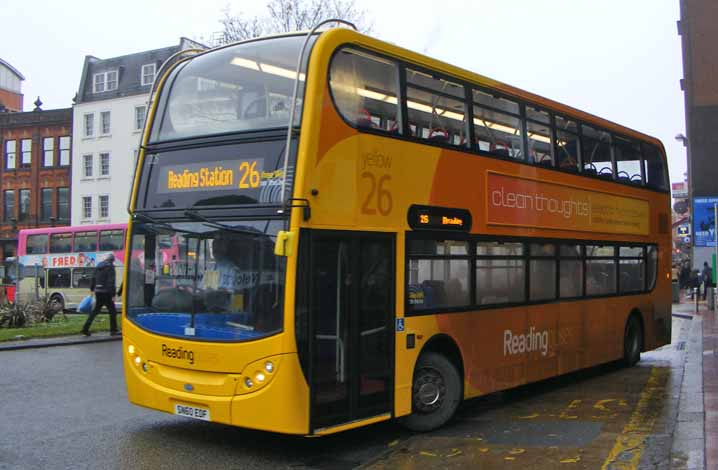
(419, 235)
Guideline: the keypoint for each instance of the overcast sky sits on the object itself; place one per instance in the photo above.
(618, 59)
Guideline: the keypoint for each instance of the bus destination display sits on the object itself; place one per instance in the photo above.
(439, 218)
(213, 176)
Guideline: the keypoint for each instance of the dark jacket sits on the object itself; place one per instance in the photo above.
(104, 280)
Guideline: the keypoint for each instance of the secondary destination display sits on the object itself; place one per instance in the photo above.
(439, 218)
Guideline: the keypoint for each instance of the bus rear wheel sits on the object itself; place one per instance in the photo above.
(632, 342)
(436, 393)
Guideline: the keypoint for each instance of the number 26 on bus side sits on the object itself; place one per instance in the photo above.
(249, 176)
(379, 197)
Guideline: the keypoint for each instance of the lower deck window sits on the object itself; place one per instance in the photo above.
(441, 275)
(58, 278)
(438, 275)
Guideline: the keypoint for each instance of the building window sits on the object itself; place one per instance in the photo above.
(104, 122)
(104, 206)
(10, 154)
(104, 164)
(26, 149)
(86, 207)
(87, 166)
(65, 150)
(24, 214)
(48, 151)
(104, 81)
(9, 205)
(63, 204)
(45, 204)
(112, 80)
(148, 74)
(98, 83)
(140, 112)
(89, 125)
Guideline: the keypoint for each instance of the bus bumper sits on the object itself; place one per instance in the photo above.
(279, 402)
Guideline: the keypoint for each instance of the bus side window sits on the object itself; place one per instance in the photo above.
(437, 107)
(364, 88)
(596, 151)
(82, 277)
(654, 170)
(58, 278)
(538, 127)
(497, 125)
(111, 240)
(628, 161)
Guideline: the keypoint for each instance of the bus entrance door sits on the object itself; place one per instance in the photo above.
(352, 312)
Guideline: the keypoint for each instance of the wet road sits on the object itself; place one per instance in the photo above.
(66, 408)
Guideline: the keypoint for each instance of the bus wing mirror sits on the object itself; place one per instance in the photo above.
(285, 242)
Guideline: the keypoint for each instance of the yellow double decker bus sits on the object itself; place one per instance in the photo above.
(427, 235)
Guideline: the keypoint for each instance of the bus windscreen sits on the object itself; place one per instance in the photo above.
(214, 281)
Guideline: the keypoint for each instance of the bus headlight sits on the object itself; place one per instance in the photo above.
(258, 374)
(138, 360)
(131, 349)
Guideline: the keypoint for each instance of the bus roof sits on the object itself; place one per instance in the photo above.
(69, 229)
(343, 36)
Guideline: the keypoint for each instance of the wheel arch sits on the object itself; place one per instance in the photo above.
(50, 295)
(445, 345)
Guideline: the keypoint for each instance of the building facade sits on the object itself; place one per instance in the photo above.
(109, 115)
(699, 36)
(10, 88)
(35, 177)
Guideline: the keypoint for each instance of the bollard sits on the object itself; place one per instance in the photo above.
(696, 294)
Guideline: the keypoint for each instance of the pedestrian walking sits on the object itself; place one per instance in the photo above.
(707, 278)
(103, 285)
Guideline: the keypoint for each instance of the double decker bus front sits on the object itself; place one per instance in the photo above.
(205, 333)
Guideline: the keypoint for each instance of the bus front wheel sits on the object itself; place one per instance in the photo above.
(632, 341)
(436, 393)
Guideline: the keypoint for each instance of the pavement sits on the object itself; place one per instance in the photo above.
(99, 337)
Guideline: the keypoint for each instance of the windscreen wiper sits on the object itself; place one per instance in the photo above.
(211, 223)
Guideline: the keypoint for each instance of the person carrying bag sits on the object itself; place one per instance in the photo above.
(103, 285)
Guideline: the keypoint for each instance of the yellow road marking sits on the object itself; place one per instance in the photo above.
(629, 446)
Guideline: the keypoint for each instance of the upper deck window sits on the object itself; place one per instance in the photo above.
(435, 108)
(628, 160)
(364, 88)
(36, 244)
(61, 243)
(239, 88)
(654, 170)
(496, 131)
(597, 152)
